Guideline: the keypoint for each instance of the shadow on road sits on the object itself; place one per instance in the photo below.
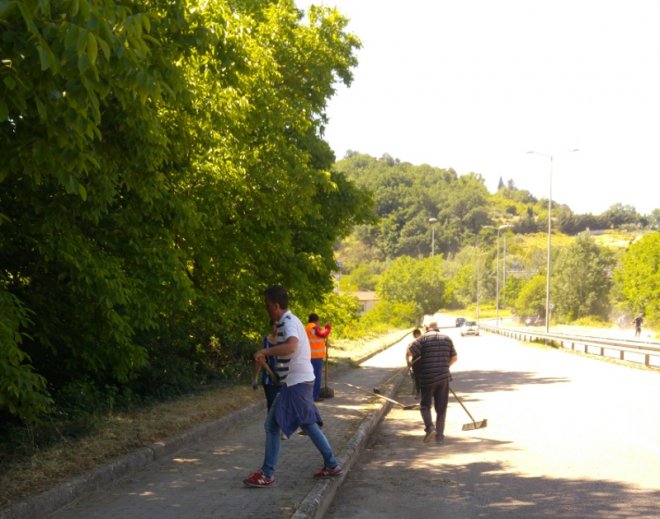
(398, 464)
(485, 381)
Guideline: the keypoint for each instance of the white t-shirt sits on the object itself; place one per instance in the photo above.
(300, 365)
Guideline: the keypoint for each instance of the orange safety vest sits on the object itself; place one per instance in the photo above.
(316, 344)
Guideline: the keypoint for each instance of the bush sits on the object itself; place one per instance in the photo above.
(390, 315)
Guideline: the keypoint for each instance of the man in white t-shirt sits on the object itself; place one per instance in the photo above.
(294, 405)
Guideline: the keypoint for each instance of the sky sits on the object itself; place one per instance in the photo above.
(474, 85)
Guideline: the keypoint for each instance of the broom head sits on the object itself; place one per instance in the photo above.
(475, 425)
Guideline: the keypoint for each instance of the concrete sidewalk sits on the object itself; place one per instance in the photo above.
(200, 474)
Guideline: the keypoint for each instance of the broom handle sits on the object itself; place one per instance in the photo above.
(464, 408)
(272, 375)
(325, 367)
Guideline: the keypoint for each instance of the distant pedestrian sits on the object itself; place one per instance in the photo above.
(435, 354)
(294, 406)
(638, 321)
(317, 342)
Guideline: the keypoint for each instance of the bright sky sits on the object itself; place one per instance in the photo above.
(475, 84)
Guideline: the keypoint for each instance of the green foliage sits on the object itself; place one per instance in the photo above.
(364, 276)
(414, 281)
(386, 314)
(22, 392)
(531, 300)
(406, 196)
(338, 309)
(638, 277)
(619, 215)
(581, 281)
(510, 292)
(163, 164)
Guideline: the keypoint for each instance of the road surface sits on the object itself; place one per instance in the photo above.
(567, 437)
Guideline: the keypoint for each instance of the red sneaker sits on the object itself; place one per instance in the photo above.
(326, 473)
(259, 480)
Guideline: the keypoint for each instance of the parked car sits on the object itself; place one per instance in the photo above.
(470, 328)
(535, 321)
(460, 321)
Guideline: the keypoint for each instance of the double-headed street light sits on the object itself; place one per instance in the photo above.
(497, 269)
(547, 280)
(433, 221)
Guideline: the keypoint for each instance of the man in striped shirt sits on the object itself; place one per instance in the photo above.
(294, 405)
(433, 354)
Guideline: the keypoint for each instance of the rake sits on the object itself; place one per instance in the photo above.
(376, 391)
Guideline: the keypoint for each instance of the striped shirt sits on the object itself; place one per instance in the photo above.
(297, 367)
(434, 351)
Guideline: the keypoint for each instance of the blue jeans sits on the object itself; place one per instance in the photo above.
(273, 442)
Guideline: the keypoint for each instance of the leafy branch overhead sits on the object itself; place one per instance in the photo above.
(162, 163)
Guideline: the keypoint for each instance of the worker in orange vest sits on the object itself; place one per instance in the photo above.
(317, 337)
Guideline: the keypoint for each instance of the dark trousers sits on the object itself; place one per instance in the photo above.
(438, 395)
(270, 390)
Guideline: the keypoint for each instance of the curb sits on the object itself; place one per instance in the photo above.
(49, 501)
(317, 501)
(59, 496)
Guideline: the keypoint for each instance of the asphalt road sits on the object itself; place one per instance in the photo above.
(567, 437)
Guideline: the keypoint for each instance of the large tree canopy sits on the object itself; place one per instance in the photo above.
(162, 163)
(638, 277)
(582, 279)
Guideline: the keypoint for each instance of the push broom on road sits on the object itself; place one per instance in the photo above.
(469, 426)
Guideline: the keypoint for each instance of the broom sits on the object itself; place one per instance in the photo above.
(469, 426)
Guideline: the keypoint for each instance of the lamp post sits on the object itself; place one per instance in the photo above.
(547, 275)
(433, 221)
(497, 279)
(477, 246)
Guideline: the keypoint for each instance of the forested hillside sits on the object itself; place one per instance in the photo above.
(407, 196)
(442, 240)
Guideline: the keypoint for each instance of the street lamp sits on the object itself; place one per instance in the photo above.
(477, 246)
(433, 221)
(497, 280)
(547, 276)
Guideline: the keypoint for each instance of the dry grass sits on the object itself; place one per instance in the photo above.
(121, 433)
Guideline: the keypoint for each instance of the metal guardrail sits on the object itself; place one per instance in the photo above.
(644, 352)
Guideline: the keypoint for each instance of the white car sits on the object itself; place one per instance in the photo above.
(470, 328)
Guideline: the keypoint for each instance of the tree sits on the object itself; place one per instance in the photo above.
(619, 214)
(419, 281)
(654, 219)
(637, 277)
(582, 279)
(151, 189)
(531, 300)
